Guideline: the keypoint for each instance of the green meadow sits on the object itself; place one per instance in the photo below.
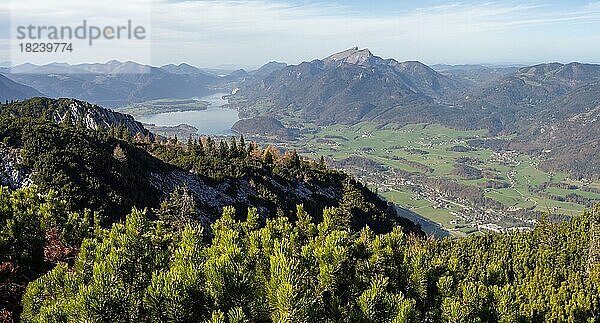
(431, 150)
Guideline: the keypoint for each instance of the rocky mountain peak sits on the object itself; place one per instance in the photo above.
(96, 117)
(353, 55)
(89, 115)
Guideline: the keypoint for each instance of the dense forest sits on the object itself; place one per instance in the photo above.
(167, 270)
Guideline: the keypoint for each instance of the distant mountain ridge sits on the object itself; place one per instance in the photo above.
(116, 84)
(268, 68)
(10, 90)
(113, 83)
(185, 69)
(354, 85)
(347, 87)
(476, 76)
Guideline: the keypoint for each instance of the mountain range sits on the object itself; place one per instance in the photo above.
(112, 84)
(115, 84)
(355, 85)
(352, 86)
(347, 87)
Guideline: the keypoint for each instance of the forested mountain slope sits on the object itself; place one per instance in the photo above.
(148, 270)
(102, 174)
(72, 111)
(568, 144)
(530, 95)
(346, 87)
(565, 132)
(112, 171)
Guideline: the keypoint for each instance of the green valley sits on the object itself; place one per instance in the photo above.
(393, 160)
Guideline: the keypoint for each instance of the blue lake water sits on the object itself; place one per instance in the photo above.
(215, 120)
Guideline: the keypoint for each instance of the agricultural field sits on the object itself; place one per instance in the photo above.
(435, 152)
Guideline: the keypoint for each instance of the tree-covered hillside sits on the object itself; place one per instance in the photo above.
(72, 111)
(144, 270)
(82, 166)
(86, 179)
(103, 160)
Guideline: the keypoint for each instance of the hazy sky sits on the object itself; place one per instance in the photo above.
(252, 32)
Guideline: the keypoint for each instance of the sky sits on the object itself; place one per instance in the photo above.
(211, 33)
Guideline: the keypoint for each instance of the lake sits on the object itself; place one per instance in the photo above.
(215, 120)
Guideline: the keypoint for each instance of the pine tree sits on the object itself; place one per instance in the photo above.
(295, 159)
(251, 148)
(210, 146)
(242, 146)
(139, 138)
(594, 247)
(119, 154)
(233, 148)
(322, 164)
(223, 149)
(67, 119)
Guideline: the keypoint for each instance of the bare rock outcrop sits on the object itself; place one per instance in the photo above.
(11, 174)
